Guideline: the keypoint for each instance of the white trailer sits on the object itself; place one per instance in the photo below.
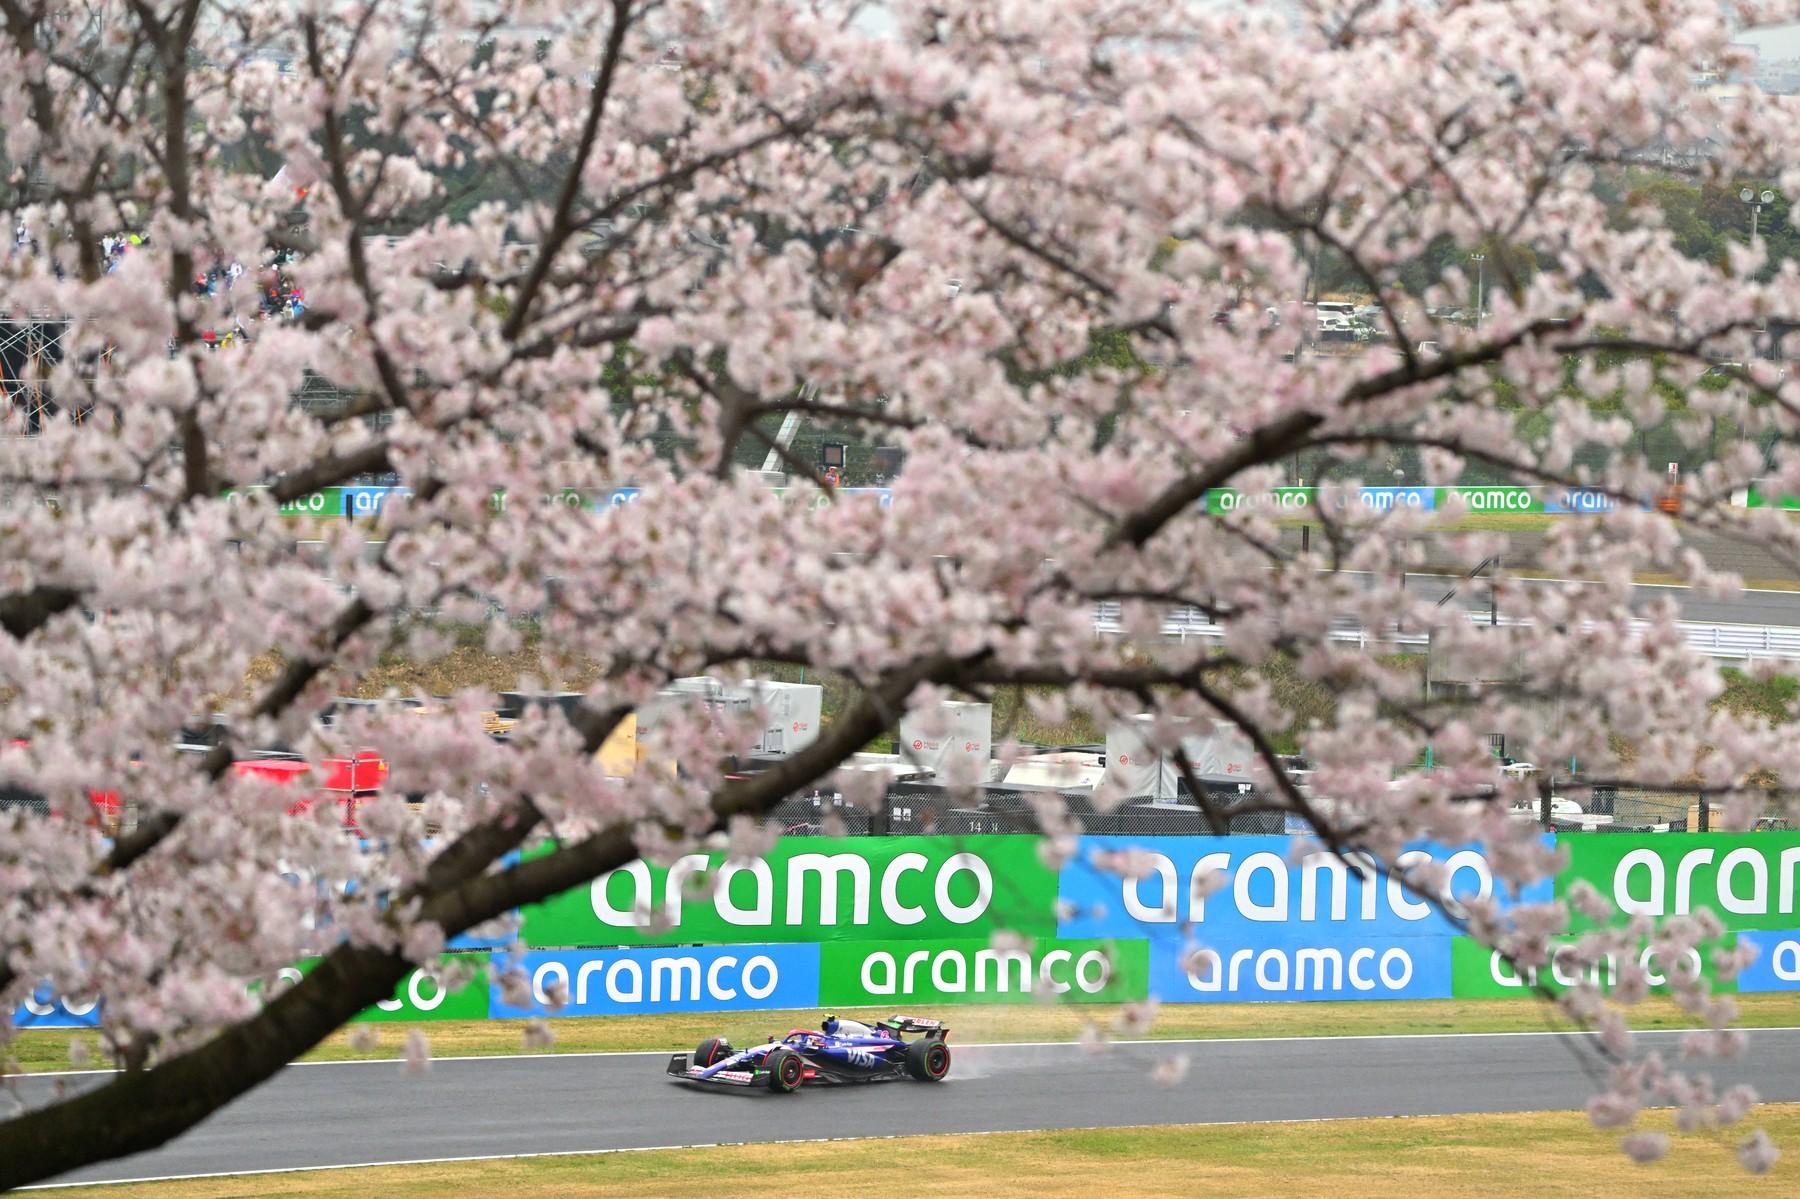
(1217, 750)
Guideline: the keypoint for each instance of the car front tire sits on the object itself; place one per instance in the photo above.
(786, 1071)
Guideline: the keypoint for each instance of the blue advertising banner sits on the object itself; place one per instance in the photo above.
(618, 982)
(364, 502)
(461, 941)
(1579, 500)
(1384, 498)
(1777, 964)
(1268, 887)
(1289, 964)
(42, 1009)
(813, 499)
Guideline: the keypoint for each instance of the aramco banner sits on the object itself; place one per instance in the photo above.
(1748, 880)
(1498, 498)
(1228, 919)
(873, 921)
(813, 889)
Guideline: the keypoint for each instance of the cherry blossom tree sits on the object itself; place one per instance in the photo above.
(540, 243)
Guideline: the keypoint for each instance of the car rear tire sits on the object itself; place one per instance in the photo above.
(928, 1060)
(786, 1071)
(712, 1051)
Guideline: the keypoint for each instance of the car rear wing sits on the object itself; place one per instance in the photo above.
(906, 1024)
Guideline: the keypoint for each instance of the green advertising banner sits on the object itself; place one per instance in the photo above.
(864, 973)
(1221, 500)
(327, 501)
(812, 889)
(1492, 499)
(1477, 972)
(1747, 879)
(1229, 499)
(422, 995)
(1756, 498)
(568, 497)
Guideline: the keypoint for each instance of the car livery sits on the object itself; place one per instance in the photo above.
(840, 1051)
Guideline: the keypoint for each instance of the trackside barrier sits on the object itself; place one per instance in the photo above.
(359, 503)
(950, 920)
(1732, 642)
(367, 503)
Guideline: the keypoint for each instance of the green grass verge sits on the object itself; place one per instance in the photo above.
(1543, 1155)
(49, 1050)
(1502, 522)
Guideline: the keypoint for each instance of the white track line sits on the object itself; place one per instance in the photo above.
(1322, 1039)
(506, 1157)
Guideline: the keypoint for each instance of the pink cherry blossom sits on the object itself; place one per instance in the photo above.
(1056, 254)
(416, 1055)
(1170, 1071)
(1757, 1153)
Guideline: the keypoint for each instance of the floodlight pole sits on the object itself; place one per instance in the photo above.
(1755, 200)
(1480, 289)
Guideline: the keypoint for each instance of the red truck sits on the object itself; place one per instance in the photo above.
(346, 781)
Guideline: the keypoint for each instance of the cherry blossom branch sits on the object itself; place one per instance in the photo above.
(562, 218)
(353, 206)
(1276, 440)
(23, 613)
(144, 1108)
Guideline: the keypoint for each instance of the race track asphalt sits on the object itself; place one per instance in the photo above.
(369, 1112)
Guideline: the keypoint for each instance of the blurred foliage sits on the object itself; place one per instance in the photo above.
(1705, 218)
(1769, 696)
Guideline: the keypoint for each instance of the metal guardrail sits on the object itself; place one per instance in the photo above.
(1732, 642)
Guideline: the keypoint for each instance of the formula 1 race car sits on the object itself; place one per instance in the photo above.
(842, 1051)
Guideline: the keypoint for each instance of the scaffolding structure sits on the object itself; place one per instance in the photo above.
(30, 349)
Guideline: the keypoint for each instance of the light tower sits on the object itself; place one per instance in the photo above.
(1755, 200)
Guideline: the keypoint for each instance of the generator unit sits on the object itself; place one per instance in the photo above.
(1218, 751)
(791, 711)
(954, 740)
